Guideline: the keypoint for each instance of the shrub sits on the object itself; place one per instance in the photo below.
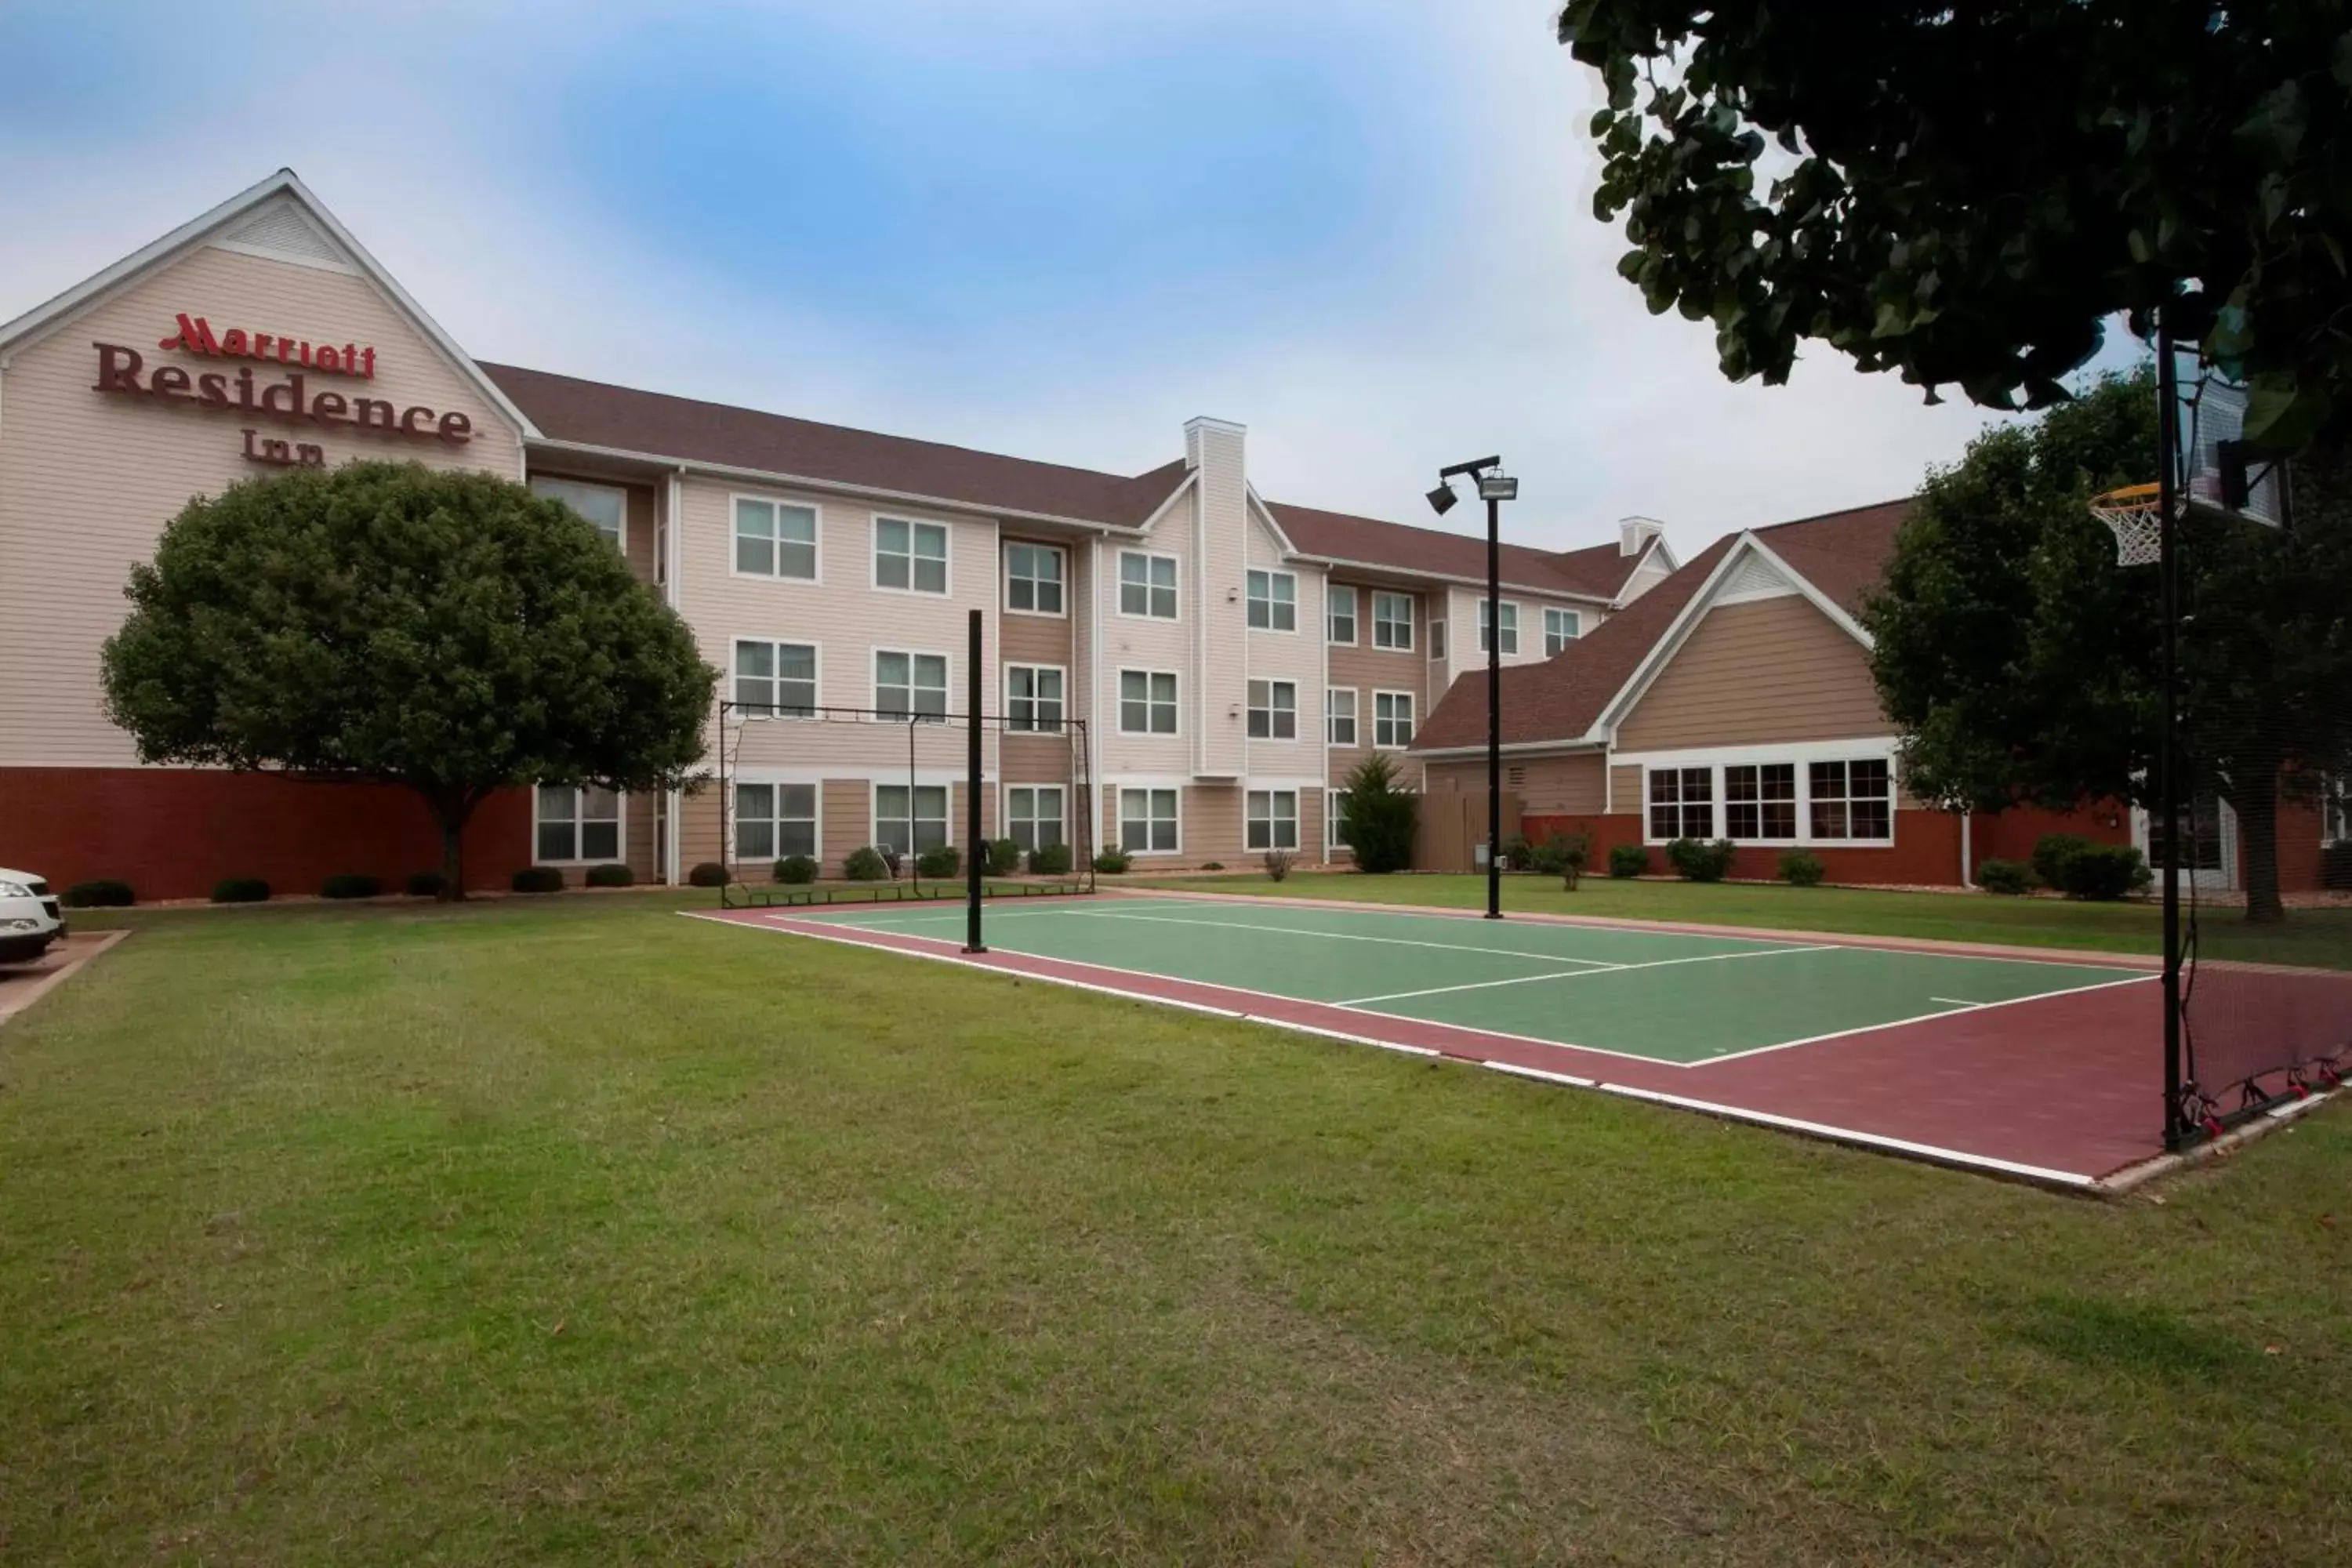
(865, 863)
(706, 874)
(425, 884)
(2051, 853)
(2103, 872)
(1518, 852)
(240, 890)
(1113, 862)
(2335, 866)
(1380, 817)
(1050, 860)
(941, 863)
(1628, 860)
(351, 885)
(795, 868)
(1802, 868)
(612, 874)
(1004, 857)
(537, 880)
(103, 894)
(1213, 864)
(1700, 861)
(1278, 863)
(1563, 854)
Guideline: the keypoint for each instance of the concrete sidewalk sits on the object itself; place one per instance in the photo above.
(22, 984)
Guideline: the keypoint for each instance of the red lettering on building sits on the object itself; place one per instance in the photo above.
(195, 336)
(118, 370)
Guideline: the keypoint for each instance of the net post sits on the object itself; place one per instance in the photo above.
(2167, 750)
(977, 851)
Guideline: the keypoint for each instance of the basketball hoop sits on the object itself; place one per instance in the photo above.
(2135, 515)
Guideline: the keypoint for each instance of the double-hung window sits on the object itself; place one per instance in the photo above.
(1273, 601)
(910, 685)
(2337, 811)
(1339, 715)
(1032, 815)
(1272, 710)
(1340, 619)
(1760, 800)
(606, 506)
(1273, 819)
(773, 820)
(910, 555)
(1033, 699)
(774, 680)
(1562, 627)
(577, 824)
(774, 539)
(1436, 640)
(1852, 799)
(1510, 619)
(1391, 720)
(1682, 803)
(1334, 818)
(1392, 621)
(1147, 585)
(1147, 821)
(910, 818)
(1147, 701)
(1033, 579)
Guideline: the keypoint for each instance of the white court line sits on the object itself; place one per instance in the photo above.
(1930, 1017)
(1572, 974)
(1964, 1002)
(1343, 936)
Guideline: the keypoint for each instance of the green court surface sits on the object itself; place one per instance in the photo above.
(1660, 996)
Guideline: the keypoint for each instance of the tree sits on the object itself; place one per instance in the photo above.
(1965, 193)
(389, 622)
(1380, 817)
(2020, 663)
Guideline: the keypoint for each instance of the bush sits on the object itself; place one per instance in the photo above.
(706, 874)
(938, 864)
(2103, 872)
(537, 880)
(1278, 863)
(425, 884)
(351, 885)
(1518, 853)
(1563, 854)
(865, 863)
(1113, 862)
(1700, 861)
(1802, 868)
(1004, 857)
(612, 874)
(795, 868)
(2051, 853)
(2011, 878)
(2335, 866)
(1050, 860)
(240, 890)
(1628, 860)
(1213, 864)
(103, 894)
(1380, 817)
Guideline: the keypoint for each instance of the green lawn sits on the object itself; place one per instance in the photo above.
(569, 1230)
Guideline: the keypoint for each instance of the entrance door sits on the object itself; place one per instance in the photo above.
(2208, 847)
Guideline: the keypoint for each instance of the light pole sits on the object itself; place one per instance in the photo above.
(1494, 488)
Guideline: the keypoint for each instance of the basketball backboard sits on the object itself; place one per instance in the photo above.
(2220, 473)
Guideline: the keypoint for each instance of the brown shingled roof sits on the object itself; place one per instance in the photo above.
(1598, 573)
(1843, 553)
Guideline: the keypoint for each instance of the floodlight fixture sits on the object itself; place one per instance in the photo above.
(1497, 485)
(1442, 499)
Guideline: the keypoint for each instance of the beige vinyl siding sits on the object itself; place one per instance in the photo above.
(1135, 642)
(1760, 673)
(844, 820)
(1045, 641)
(1217, 737)
(1573, 785)
(1368, 669)
(1296, 657)
(87, 481)
(1213, 825)
(1625, 791)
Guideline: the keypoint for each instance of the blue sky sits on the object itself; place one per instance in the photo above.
(1361, 227)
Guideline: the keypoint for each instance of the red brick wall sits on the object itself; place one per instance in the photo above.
(172, 833)
(2010, 835)
(1926, 852)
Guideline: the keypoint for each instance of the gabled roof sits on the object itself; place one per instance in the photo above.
(1598, 573)
(1841, 556)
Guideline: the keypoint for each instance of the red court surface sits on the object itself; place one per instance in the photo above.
(2063, 1088)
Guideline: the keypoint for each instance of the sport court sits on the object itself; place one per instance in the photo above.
(2035, 1066)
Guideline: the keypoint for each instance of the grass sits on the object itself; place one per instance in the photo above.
(568, 1230)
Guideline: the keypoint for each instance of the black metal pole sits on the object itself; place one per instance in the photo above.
(976, 849)
(2167, 747)
(1494, 710)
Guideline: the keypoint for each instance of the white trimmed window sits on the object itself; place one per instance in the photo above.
(1760, 800)
(1272, 710)
(1391, 720)
(1032, 815)
(1273, 819)
(1148, 822)
(773, 820)
(774, 680)
(1273, 601)
(773, 539)
(1682, 803)
(606, 506)
(2335, 813)
(1033, 699)
(912, 556)
(1436, 640)
(1510, 625)
(910, 685)
(1340, 619)
(1147, 585)
(1852, 799)
(575, 825)
(1147, 702)
(1334, 818)
(1340, 716)
(927, 829)
(1392, 621)
(1033, 579)
(1562, 627)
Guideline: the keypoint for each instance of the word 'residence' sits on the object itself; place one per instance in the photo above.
(118, 370)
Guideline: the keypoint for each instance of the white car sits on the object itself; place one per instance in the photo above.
(29, 918)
